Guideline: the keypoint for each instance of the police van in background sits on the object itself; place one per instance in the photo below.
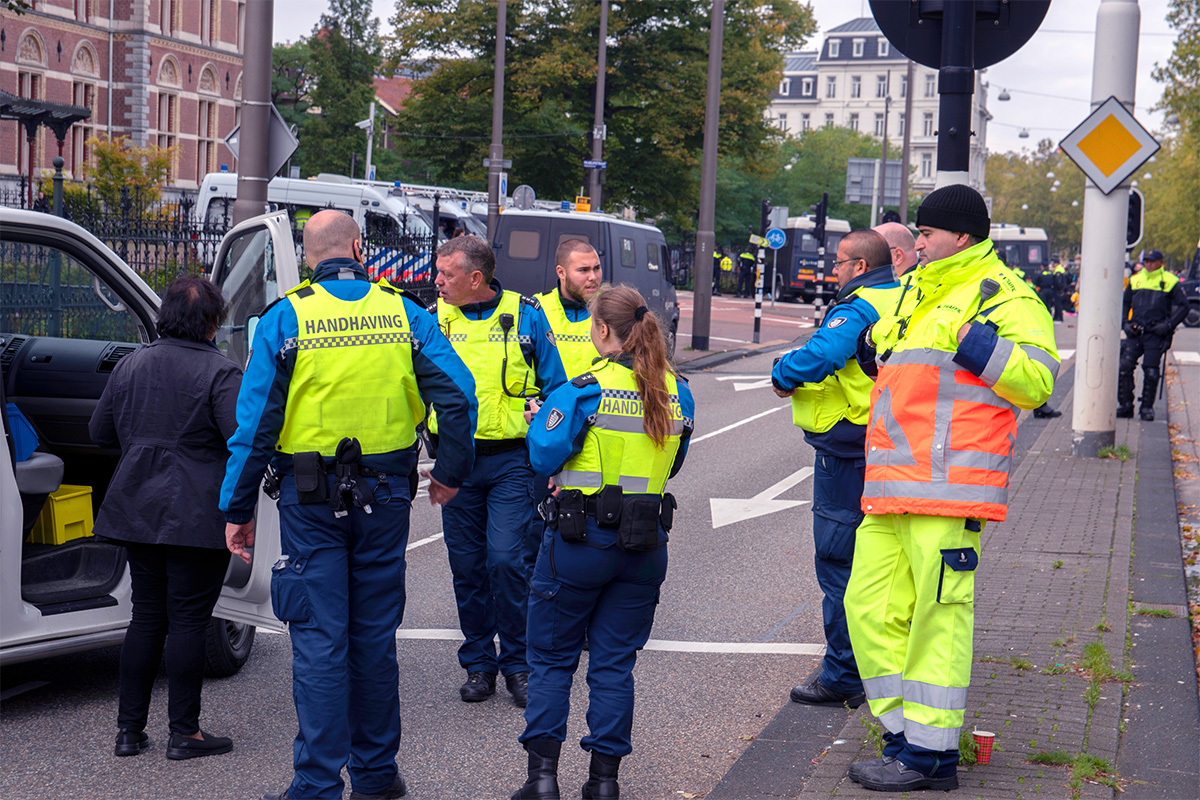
(1190, 282)
(385, 217)
(630, 252)
(795, 274)
(1026, 249)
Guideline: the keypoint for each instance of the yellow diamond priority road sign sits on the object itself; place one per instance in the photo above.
(1109, 145)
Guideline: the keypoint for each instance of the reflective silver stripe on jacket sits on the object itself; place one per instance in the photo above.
(893, 720)
(582, 479)
(920, 490)
(883, 686)
(1042, 357)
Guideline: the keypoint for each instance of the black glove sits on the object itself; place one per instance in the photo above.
(1161, 329)
(1130, 329)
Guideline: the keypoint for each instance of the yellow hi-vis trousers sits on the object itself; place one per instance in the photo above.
(911, 614)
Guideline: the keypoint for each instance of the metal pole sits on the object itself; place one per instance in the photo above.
(819, 300)
(1098, 331)
(370, 140)
(876, 195)
(256, 113)
(887, 104)
(56, 309)
(598, 130)
(774, 271)
(906, 154)
(956, 84)
(758, 287)
(496, 151)
(705, 235)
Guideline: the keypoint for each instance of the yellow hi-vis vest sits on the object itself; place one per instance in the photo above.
(353, 374)
(502, 377)
(846, 394)
(574, 339)
(616, 450)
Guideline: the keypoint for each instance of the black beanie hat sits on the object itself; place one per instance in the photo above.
(957, 208)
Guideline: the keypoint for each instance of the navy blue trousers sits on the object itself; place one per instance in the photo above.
(339, 584)
(611, 595)
(490, 540)
(837, 498)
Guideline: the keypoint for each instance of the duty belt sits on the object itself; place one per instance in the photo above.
(489, 447)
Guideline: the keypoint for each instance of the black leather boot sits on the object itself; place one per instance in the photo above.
(542, 783)
(602, 778)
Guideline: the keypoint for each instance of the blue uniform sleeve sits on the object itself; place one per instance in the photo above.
(687, 405)
(550, 371)
(557, 432)
(445, 381)
(829, 348)
(260, 409)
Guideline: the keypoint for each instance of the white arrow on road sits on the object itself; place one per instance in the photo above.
(727, 512)
(758, 381)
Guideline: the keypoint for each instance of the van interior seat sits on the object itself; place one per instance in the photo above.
(37, 477)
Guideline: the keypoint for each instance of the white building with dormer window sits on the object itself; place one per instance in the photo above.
(847, 82)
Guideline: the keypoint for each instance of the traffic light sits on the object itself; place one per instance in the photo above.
(766, 213)
(1133, 227)
(819, 210)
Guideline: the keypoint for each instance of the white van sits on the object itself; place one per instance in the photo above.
(59, 342)
(397, 234)
(1021, 248)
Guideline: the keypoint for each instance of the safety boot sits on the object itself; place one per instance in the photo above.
(602, 778)
(1125, 412)
(542, 783)
(1146, 413)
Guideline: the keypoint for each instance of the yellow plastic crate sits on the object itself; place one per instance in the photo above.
(67, 515)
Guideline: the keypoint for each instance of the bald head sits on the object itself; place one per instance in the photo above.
(329, 234)
(902, 244)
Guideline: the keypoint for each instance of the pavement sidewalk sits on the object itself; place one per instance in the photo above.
(1061, 598)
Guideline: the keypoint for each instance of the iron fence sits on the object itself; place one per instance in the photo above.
(44, 292)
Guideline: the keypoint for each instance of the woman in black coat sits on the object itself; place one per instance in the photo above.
(170, 407)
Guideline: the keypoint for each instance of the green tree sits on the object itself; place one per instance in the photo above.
(120, 164)
(291, 85)
(1023, 192)
(344, 55)
(655, 88)
(1173, 194)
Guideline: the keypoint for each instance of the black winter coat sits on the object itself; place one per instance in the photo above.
(170, 407)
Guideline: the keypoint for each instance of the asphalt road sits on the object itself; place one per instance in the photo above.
(739, 623)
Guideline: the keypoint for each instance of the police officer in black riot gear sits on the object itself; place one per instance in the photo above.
(1154, 304)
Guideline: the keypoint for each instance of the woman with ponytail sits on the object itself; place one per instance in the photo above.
(610, 438)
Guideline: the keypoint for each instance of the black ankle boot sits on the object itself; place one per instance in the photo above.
(542, 783)
(602, 778)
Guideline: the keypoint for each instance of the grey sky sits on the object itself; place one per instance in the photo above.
(1055, 62)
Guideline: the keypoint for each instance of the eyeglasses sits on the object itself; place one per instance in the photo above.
(837, 264)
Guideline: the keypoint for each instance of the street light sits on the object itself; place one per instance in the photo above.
(1004, 96)
(1024, 134)
(1049, 174)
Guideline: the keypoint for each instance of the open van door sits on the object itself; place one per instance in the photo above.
(255, 265)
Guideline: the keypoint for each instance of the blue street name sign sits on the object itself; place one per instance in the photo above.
(589, 164)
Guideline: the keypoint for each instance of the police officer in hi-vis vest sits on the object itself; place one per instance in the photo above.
(566, 305)
(507, 344)
(831, 398)
(972, 347)
(339, 374)
(1153, 306)
(611, 438)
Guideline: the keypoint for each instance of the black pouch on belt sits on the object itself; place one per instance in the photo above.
(639, 523)
(666, 514)
(572, 521)
(609, 506)
(311, 486)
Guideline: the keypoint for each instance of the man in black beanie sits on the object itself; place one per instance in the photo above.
(970, 346)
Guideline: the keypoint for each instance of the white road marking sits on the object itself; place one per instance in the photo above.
(1063, 355)
(1186, 358)
(742, 377)
(419, 542)
(665, 645)
(716, 338)
(764, 383)
(738, 424)
(728, 511)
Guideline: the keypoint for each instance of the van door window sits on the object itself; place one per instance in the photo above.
(247, 278)
(525, 244)
(628, 254)
(47, 292)
(652, 257)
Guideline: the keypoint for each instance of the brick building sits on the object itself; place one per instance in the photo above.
(165, 72)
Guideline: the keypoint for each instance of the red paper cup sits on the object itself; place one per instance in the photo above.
(983, 740)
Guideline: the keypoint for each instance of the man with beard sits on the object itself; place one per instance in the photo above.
(566, 306)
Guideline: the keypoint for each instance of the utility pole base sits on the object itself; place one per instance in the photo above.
(1087, 444)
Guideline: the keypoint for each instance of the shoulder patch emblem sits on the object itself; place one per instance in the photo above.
(531, 301)
(554, 418)
(550, 338)
(586, 379)
(833, 323)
